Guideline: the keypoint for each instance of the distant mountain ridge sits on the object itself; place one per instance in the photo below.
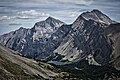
(30, 42)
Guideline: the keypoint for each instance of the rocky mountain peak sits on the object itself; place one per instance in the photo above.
(46, 28)
(49, 22)
(87, 37)
(50, 19)
(54, 22)
(96, 10)
(96, 15)
(21, 28)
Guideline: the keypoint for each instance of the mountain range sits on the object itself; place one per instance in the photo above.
(92, 39)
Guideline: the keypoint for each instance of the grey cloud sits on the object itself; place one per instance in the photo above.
(85, 2)
(30, 14)
(14, 24)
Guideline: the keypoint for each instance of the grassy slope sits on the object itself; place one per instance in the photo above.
(16, 67)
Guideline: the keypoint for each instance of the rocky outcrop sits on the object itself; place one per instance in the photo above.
(113, 32)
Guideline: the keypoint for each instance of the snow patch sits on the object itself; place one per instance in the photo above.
(91, 60)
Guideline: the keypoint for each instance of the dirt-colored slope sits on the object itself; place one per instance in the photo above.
(13, 66)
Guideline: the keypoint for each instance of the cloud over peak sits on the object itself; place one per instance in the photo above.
(29, 14)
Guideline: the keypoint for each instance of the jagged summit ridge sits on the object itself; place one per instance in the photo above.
(50, 19)
(96, 15)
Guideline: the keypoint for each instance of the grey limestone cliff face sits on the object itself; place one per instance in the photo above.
(87, 40)
(16, 39)
(56, 38)
(113, 32)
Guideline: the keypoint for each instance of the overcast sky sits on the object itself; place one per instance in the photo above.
(25, 13)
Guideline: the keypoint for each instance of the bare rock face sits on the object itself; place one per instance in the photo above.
(113, 32)
(16, 39)
(87, 39)
(56, 38)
